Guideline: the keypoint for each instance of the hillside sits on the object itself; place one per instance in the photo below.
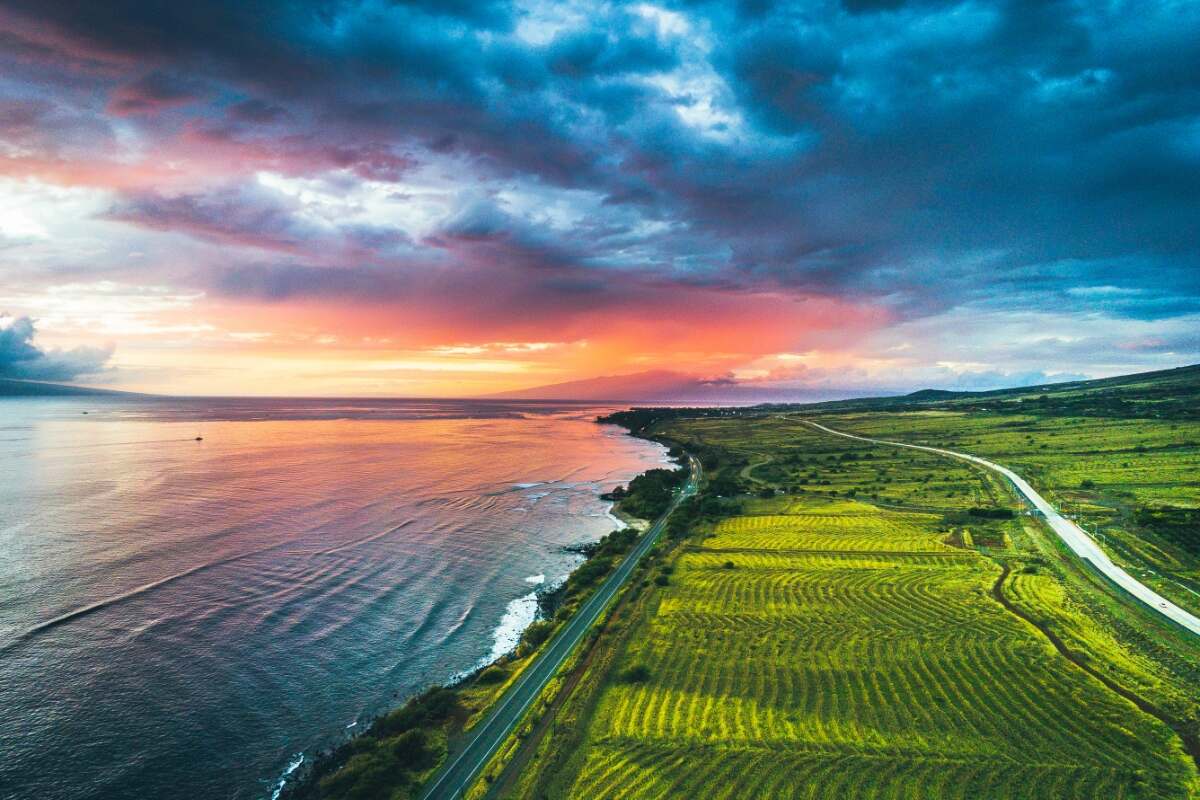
(1163, 394)
(650, 385)
(15, 388)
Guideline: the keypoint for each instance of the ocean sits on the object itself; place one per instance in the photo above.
(196, 595)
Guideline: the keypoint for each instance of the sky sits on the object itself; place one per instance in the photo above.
(458, 198)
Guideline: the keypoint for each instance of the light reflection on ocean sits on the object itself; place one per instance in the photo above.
(182, 617)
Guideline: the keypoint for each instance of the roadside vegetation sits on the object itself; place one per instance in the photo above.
(649, 494)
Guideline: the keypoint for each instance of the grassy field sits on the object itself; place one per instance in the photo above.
(1134, 481)
(869, 625)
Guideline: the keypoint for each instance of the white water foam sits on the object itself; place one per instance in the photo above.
(518, 615)
(292, 767)
(535, 579)
(618, 524)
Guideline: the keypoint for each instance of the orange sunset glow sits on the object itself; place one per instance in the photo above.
(456, 209)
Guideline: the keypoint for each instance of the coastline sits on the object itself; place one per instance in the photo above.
(548, 602)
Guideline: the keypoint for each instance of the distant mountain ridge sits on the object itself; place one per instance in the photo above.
(1168, 393)
(10, 387)
(662, 386)
(668, 386)
(1171, 393)
(933, 394)
(648, 385)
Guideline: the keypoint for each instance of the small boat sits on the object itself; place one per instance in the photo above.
(199, 438)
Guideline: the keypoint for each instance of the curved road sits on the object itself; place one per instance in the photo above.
(453, 779)
(1071, 534)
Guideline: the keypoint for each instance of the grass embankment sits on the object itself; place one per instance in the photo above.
(846, 638)
(393, 758)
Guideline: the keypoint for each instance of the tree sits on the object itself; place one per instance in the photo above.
(638, 673)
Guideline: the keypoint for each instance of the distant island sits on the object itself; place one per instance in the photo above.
(10, 387)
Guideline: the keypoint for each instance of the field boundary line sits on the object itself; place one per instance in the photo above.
(1191, 742)
(1071, 534)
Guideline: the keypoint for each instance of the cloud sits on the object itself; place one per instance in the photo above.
(545, 165)
(152, 93)
(21, 358)
(244, 214)
(282, 281)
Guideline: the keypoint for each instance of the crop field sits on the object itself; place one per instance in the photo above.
(839, 650)
(1135, 481)
(852, 527)
(781, 453)
(852, 637)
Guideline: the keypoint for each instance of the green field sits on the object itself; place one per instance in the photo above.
(862, 628)
(1134, 481)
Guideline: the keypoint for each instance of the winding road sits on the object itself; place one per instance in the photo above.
(463, 766)
(1072, 535)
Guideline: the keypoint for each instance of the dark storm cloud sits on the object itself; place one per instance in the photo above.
(248, 215)
(783, 75)
(921, 154)
(280, 282)
(21, 358)
(598, 53)
(153, 92)
(244, 215)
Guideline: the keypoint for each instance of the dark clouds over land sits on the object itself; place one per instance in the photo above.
(914, 157)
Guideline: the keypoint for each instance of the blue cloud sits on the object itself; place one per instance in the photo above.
(21, 358)
(921, 154)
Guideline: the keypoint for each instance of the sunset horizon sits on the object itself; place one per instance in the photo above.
(373, 199)
(599, 400)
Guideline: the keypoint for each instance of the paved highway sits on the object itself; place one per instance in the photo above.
(453, 779)
(1072, 535)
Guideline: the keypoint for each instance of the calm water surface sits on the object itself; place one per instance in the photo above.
(185, 619)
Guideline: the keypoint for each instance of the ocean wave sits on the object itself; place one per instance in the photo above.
(287, 772)
(366, 539)
(519, 614)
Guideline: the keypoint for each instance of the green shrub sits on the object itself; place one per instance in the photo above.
(534, 636)
(412, 751)
(992, 513)
(493, 675)
(436, 705)
(638, 673)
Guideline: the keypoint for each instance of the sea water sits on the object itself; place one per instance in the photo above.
(197, 595)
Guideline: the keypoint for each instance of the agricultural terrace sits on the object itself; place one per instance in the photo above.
(857, 632)
(1135, 482)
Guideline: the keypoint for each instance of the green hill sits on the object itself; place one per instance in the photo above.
(1163, 394)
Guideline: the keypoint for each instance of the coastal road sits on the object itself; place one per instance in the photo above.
(462, 768)
(1072, 535)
